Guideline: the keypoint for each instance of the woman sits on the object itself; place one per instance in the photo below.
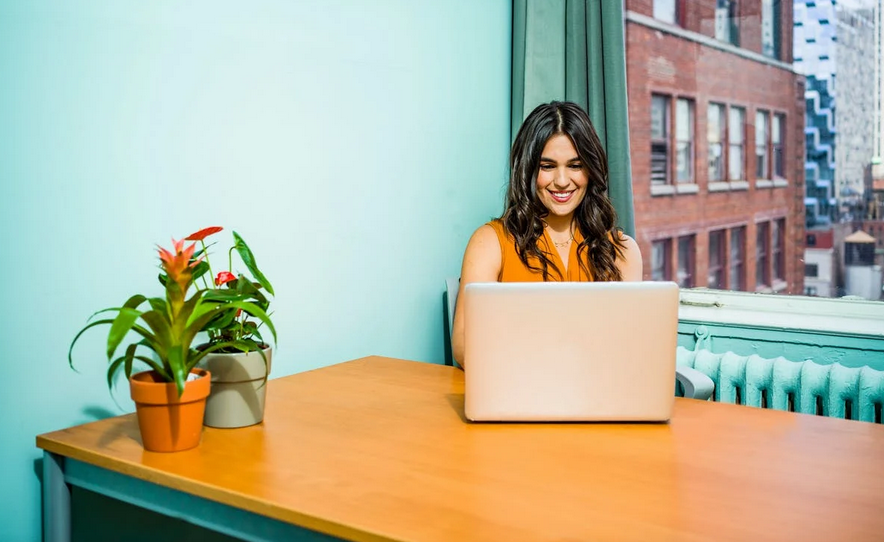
(558, 224)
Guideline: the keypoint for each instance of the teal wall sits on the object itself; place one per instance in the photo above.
(355, 145)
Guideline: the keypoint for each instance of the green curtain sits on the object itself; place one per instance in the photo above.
(575, 50)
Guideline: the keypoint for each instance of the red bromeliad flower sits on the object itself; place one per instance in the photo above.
(203, 233)
(178, 265)
(224, 277)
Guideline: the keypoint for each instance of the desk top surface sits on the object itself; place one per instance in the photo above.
(379, 449)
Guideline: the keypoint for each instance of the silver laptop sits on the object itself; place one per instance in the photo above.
(570, 351)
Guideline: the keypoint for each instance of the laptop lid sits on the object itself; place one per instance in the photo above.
(570, 351)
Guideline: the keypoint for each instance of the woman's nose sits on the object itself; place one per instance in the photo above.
(561, 179)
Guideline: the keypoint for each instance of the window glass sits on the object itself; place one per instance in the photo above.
(736, 139)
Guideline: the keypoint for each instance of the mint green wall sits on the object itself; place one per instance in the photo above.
(355, 145)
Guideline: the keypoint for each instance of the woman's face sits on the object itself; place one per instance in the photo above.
(562, 178)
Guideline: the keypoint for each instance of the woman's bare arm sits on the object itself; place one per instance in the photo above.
(481, 263)
(630, 264)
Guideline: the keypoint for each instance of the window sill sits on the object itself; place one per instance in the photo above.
(739, 185)
(719, 187)
(662, 190)
(852, 317)
(764, 183)
(687, 188)
(780, 183)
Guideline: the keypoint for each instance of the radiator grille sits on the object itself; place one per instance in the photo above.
(798, 386)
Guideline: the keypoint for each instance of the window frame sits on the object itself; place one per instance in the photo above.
(721, 142)
(666, 245)
(737, 262)
(778, 250)
(688, 280)
(664, 141)
(720, 269)
(690, 141)
(762, 147)
(762, 256)
(778, 148)
(731, 145)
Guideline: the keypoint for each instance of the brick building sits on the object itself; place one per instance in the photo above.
(716, 119)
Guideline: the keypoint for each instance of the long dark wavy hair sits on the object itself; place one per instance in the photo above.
(595, 216)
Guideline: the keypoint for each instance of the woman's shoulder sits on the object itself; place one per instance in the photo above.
(630, 260)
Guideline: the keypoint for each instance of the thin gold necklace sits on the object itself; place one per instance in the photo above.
(563, 244)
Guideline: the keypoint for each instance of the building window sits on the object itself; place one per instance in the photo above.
(667, 11)
(778, 252)
(686, 261)
(660, 258)
(727, 21)
(715, 134)
(736, 143)
(684, 140)
(762, 170)
(778, 132)
(659, 139)
(715, 278)
(811, 270)
(737, 270)
(762, 252)
(770, 28)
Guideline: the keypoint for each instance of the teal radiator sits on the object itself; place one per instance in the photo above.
(797, 386)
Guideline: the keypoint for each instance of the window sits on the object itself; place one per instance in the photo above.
(762, 240)
(737, 271)
(778, 253)
(660, 258)
(659, 139)
(715, 134)
(770, 28)
(715, 278)
(684, 140)
(777, 136)
(666, 11)
(762, 170)
(736, 142)
(727, 21)
(686, 261)
(811, 270)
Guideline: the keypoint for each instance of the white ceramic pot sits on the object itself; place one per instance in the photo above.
(239, 386)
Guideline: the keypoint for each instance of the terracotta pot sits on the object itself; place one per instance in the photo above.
(239, 386)
(169, 423)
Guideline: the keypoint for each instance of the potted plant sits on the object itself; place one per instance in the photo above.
(169, 397)
(238, 357)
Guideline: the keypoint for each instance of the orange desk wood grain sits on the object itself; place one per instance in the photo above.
(378, 449)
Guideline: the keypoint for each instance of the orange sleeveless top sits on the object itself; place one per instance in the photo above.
(513, 270)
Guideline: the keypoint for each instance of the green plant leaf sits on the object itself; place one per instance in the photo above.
(249, 289)
(177, 363)
(162, 332)
(249, 259)
(77, 337)
(198, 323)
(242, 346)
(200, 269)
(124, 321)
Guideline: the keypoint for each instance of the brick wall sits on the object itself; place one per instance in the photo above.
(658, 62)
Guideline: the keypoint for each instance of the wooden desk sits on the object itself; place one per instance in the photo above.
(377, 449)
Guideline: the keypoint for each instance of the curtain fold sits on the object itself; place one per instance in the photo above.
(575, 50)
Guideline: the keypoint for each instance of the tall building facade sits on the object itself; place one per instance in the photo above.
(836, 48)
(717, 142)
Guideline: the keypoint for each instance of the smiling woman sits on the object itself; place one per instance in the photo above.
(558, 223)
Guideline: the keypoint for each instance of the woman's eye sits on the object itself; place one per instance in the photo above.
(576, 166)
(547, 167)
